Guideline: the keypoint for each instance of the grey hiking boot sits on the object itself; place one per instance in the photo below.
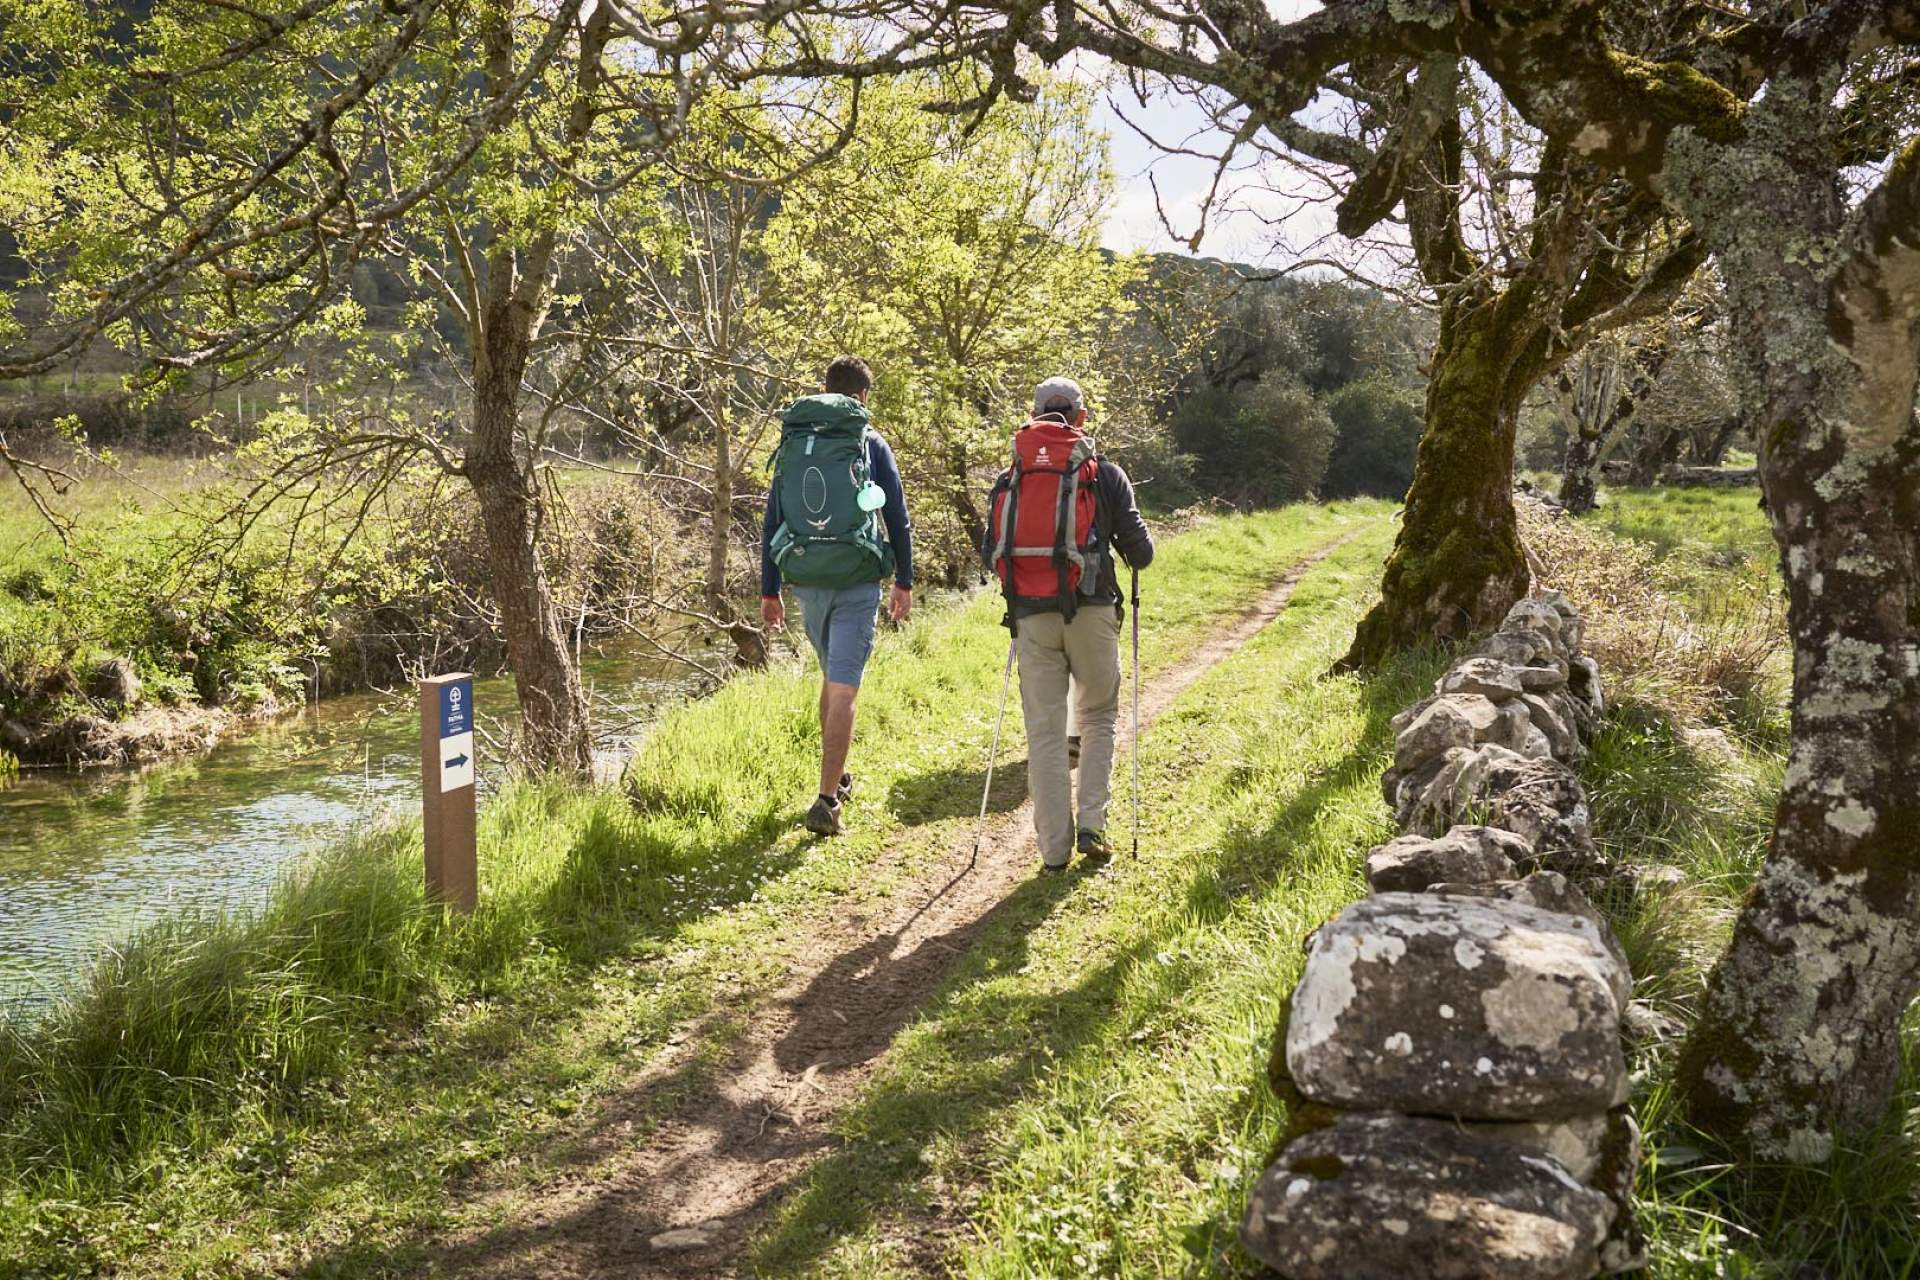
(824, 818)
(844, 792)
(1094, 849)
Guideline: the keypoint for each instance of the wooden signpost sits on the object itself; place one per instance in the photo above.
(446, 789)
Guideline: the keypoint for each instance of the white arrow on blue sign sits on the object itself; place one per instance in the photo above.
(456, 735)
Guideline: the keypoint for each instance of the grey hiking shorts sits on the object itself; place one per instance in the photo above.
(840, 623)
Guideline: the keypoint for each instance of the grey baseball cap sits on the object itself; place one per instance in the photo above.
(1056, 392)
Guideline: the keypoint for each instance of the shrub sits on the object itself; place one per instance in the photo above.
(1377, 426)
(1263, 442)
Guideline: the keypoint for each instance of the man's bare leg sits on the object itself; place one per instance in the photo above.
(836, 732)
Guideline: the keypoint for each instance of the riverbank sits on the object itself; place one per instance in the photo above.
(251, 1094)
(88, 856)
(161, 613)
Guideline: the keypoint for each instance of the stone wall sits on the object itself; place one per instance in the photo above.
(1452, 1054)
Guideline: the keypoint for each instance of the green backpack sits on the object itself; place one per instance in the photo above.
(829, 534)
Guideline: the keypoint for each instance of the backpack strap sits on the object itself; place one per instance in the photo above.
(1003, 548)
(1066, 552)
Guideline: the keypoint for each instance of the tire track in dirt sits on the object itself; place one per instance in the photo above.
(734, 1140)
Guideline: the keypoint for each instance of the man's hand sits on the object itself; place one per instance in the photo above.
(773, 613)
(900, 604)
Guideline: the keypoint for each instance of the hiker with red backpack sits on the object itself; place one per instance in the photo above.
(835, 490)
(1058, 515)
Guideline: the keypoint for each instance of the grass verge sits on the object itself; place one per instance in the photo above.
(295, 1092)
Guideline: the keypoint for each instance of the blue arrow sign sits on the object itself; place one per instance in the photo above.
(456, 762)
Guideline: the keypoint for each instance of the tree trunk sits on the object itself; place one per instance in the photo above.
(1657, 449)
(1457, 565)
(1798, 1039)
(553, 707)
(515, 297)
(749, 645)
(1579, 475)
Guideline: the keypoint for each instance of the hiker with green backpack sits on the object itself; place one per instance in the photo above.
(836, 528)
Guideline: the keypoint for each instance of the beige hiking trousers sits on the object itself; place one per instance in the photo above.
(1053, 655)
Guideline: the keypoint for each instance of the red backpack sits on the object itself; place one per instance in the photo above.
(1045, 544)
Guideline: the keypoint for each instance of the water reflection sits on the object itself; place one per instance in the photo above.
(85, 858)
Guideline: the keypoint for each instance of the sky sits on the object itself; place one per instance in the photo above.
(1259, 225)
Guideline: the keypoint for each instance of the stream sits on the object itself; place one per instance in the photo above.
(87, 857)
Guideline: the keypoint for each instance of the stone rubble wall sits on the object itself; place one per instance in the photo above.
(1452, 1054)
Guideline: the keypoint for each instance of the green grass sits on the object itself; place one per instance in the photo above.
(318, 593)
(297, 1090)
(1710, 539)
(1668, 795)
(1087, 1093)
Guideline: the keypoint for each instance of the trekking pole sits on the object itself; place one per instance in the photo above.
(993, 754)
(1133, 743)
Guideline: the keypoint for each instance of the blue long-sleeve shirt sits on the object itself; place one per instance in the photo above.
(885, 473)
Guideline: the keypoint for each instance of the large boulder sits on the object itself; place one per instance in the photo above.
(1520, 648)
(1405, 717)
(1514, 729)
(1412, 863)
(1537, 616)
(1543, 802)
(1583, 678)
(1445, 796)
(1478, 1008)
(1402, 788)
(1539, 800)
(1579, 1144)
(1396, 1197)
(1543, 679)
(1556, 724)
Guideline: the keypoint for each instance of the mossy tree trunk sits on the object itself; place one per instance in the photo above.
(553, 706)
(1798, 1039)
(1457, 565)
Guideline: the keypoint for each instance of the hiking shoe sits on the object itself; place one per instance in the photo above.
(1094, 848)
(1073, 749)
(824, 818)
(844, 792)
(1050, 869)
